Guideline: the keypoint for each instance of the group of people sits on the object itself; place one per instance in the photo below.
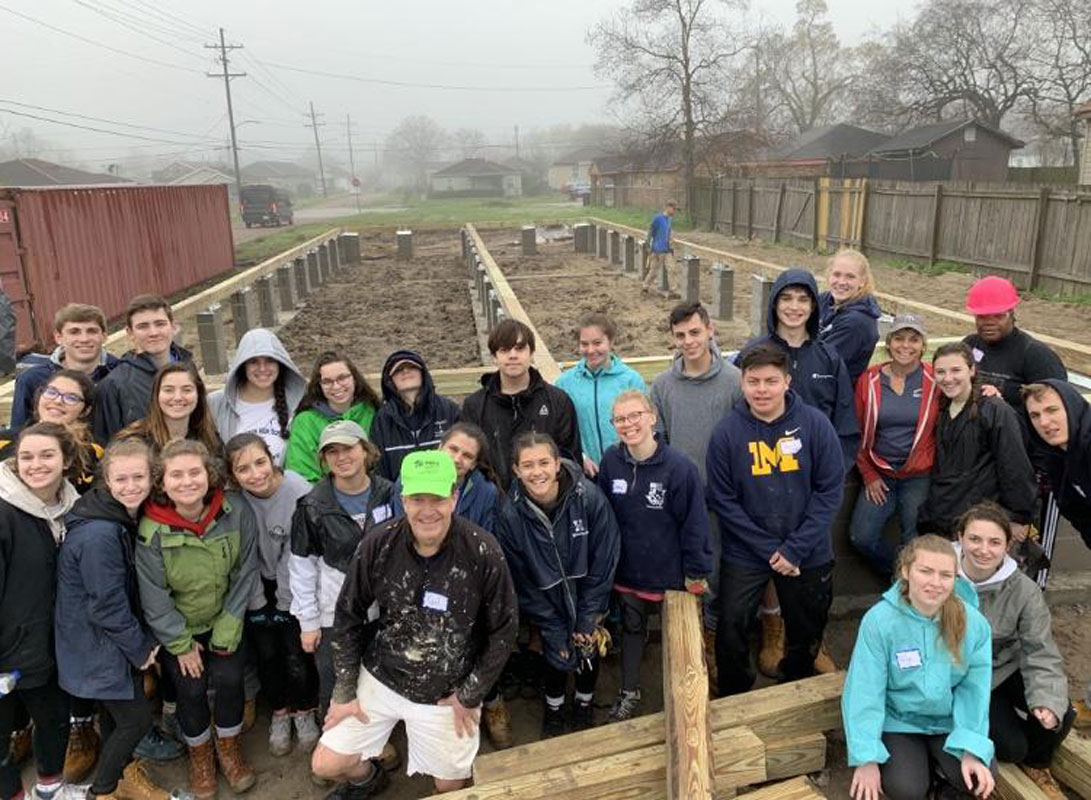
(361, 558)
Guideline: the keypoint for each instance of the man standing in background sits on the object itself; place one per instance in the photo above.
(659, 240)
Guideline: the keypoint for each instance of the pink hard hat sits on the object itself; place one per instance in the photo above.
(992, 295)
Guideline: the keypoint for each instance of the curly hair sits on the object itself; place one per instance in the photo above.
(187, 447)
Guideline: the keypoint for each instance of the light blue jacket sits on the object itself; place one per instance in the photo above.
(593, 396)
(902, 679)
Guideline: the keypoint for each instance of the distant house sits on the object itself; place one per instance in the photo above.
(203, 175)
(476, 177)
(573, 167)
(292, 178)
(817, 153)
(957, 150)
(530, 172)
(35, 172)
(179, 169)
(639, 179)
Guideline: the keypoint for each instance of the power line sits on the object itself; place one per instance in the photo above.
(275, 80)
(202, 30)
(167, 24)
(66, 124)
(112, 16)
(447, 87)
(96, 43)
(101, 119)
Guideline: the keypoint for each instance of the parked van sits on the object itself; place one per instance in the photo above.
(265, 205)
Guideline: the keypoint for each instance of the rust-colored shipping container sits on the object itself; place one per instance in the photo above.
(105, 244)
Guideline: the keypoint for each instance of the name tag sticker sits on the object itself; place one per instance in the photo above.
(382, 513)
(619, 486)
(908, 659)
(790, 447)
(435, 601)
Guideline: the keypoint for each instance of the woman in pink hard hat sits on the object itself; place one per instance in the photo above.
(1006, 357)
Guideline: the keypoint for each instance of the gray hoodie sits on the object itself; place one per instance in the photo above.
(223, 402)
(689, 406)
(1022, 640)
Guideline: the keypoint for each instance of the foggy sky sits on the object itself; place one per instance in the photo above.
(471, 43)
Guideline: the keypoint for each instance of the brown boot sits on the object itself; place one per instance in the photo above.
(823, 663)
(1083, 715)
(389, 758)
(1045, 781)
(240, 775)
(709, 636)
(136, 785)
(79, 759)
(20, 746)
(772, 645)
(202, 770)
(249, 715)
(497, 723)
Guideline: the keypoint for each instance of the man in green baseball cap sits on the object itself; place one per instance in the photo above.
(447, 622)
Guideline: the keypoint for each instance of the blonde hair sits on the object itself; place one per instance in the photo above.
(632, 394)
(952, 614)
(867, 283)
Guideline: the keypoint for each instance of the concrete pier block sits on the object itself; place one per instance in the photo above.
(210, 336)
(314, 271)
(580, 237)
(530, 240)
(465, 239)
(723, 291)
(603, 251)
(492, 303)
(286, 287)
(267, 301)
(335, 255)
(348, 245)
(592, 238)
(691, 278)
(405, 245)
(244, 311)
(760, 289)
(629, 248)
(302, 276)
(324, 262)
(615, 248)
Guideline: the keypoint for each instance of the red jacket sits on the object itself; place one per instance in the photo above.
(868, 399)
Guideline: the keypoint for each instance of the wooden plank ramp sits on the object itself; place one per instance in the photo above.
(1072, 764)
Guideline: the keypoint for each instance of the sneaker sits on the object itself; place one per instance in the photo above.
(61, 791)
(583, 716)
(280, 735)
(306, 729)
(157, 747)
(1045, 781)
(553, 722)
(497, 724)
(375, 783)
(626, 706)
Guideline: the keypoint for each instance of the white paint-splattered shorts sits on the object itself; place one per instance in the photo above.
(434, 747)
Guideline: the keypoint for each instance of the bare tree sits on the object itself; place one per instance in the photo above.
(469, 142)
(667, 59)
(413, 147)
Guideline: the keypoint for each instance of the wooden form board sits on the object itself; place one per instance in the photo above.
(1072, 764)
(690, 768)
(1014, 784)
(795, 789)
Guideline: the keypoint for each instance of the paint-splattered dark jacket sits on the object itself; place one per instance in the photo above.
(446, 623)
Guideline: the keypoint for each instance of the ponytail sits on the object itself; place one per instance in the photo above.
(952, 614)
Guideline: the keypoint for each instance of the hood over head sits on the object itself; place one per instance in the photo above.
(263, 342)
(804, 279)
(427, 386)
(1079, 419)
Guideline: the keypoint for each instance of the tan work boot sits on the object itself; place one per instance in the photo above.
(389, 758)
(20, 746)
(823, 663)
(136, 785)
(1045, 781)
(249, 714)
(240, 775)
(772, 645)
(1083, 715)
(202, 770)
(709, 637)
(497, 724)
(82, 753)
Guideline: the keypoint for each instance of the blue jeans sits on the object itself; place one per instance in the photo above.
(904, 496)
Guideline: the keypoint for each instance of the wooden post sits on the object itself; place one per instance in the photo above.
(734, 204)
(1039, 238)
(713, 196)
(690, 770)
(814, 215)
(933, 233)
(776, 214)
(863, 211)
(750, 210)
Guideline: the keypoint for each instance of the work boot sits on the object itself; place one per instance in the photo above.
(20, 746)
(709, 636)
(202, 771)
(249, 714)
(280, 734)
(626, 706)
(497, 723)
(823, 663)
(306, 729)
(1083, 715)
(553, 721)
(583, 716)
(157, 747)
(83, 745)
(772, 645)
(389, 758)
(240, 775)
(136, 785)
(1045, 781)
(375, 783)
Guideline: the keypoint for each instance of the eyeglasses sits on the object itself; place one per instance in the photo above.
(67, 398)
(628, 419)
(329, 383)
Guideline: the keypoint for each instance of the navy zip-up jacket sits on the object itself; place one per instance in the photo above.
(398, 430)
(563, 565)
(660, 508)
(819, 374)
(852, 330)
(775, 485)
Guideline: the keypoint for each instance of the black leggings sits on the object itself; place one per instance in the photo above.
(634, 629)
(907, 774)
(225, 673)
(48, 708)
(1022, 741)
(556, 681)
(123, 723)
(289, 678)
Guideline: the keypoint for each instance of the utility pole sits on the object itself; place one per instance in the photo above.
(227, 76)
(517, 141)
(315, 125)
(352, 161)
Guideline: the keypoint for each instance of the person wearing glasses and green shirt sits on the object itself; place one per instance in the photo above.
(335, 391)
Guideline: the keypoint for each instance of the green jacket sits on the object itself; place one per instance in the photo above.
(197, 577)
(307, 427)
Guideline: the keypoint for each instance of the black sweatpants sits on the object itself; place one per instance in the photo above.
(1018, 740)
(122, 723)
(907, 774)
(804, 604)
(556, 681)
(225, 673)
(48, 708)
(634, 630)
(289, 677)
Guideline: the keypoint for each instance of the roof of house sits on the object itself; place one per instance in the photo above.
(276, 169)
(925, 135)
(828, 141)
(474, 166)
(205, 175)
(35, 172)
(579, 155)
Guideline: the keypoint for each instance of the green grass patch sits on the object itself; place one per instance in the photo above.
(1082, 298)
(938, 268)
(454, 212)
(257, 250)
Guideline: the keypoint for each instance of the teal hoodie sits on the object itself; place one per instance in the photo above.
(593, 394)
(902, 679)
